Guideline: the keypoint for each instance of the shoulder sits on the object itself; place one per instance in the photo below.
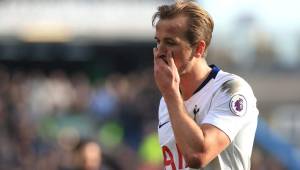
(234, 93)
(232, 84)
(233, 105)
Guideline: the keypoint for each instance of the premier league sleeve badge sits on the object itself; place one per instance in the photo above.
(238, 105)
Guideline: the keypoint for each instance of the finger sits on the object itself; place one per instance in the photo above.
(170, 59)
(155, 53)
(172, 62)
(163, 58)
(158, 61)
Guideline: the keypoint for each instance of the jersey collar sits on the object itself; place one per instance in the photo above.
(212, 75)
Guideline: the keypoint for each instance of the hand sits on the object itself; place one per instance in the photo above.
(165, 73)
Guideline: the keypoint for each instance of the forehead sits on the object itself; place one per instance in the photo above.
(177, 25)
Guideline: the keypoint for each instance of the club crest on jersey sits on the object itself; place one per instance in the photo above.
(238, 105)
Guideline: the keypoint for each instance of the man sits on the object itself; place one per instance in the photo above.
(207, 117)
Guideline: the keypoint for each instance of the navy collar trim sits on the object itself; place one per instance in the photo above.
(212, 75)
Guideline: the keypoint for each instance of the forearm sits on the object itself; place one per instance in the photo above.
(188, 134)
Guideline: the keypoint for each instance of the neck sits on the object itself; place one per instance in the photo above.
(190, 81)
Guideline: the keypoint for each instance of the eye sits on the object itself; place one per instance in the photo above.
(171, 43)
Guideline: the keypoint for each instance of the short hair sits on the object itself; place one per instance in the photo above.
(200, 23)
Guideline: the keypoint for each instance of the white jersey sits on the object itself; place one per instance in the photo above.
(225, 101)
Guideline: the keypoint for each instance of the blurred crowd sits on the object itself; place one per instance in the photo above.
(54, 120)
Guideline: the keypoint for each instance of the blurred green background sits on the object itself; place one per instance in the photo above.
(76, 81)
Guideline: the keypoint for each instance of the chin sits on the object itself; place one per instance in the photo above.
(183, 70)
(182, 73)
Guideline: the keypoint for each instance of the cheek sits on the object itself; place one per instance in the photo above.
(177, 58)
(179, 61)
(181, 56)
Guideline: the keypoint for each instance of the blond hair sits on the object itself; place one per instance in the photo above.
(200, 23)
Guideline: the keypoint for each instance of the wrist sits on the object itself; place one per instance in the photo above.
(171, 94)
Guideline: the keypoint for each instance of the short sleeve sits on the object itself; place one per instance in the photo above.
(232, 107)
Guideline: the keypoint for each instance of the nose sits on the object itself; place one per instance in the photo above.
(162, 50)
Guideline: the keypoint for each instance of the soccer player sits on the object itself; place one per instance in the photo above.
(207, 117)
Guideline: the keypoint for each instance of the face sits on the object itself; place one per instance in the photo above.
(170, 38)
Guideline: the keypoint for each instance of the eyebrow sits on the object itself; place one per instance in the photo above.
(166, 39)
(169, 39)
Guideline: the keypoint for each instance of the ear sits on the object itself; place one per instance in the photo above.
(200, 49)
